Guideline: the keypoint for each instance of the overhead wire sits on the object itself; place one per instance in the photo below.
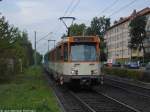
(77, 3)
(74, 7)
(118, 10)
(44, 37)
(109, 7)
(70, 5)
(65, 13)
(104, 10)
(70, 9)
(121, 8)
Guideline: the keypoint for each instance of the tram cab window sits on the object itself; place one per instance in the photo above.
(83, 52)
(65, 52)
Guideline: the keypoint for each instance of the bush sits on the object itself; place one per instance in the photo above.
(122, 72)
(8, 72)
(5, 73)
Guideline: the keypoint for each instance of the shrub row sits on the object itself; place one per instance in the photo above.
(8, 71)
(127, 73)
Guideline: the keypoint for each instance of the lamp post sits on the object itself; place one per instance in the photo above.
(122, 45)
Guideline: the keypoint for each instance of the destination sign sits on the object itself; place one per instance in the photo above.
(83, 39)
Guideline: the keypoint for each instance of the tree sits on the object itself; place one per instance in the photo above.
(15, 50)
(138, 33)
(39, 58)
(99, 27)
(7, 34)
(77, 29)
(27, 48)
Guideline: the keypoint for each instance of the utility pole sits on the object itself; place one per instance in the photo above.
(48, 45)
(35, 61)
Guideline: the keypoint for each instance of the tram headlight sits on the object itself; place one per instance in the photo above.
(72, 72)
(93, 72)
(75, 72)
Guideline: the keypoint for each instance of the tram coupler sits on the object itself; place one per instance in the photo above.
(85, 81)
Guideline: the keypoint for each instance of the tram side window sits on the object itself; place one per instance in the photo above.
(65, 52)
(58, 53)
(53, 55)
(50, 57)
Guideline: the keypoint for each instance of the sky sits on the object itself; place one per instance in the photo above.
(42, 15)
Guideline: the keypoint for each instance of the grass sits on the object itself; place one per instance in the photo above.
(30, 91)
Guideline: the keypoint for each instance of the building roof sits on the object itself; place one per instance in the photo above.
(139, 13)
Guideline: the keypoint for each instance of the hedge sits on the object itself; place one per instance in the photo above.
(127, 73)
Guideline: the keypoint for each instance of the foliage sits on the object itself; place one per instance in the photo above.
(39, 58)
(128, 73)
(4, 77)
(30, 91)
(16, 50)
(138, 33)
(77, 29)
(98, 26)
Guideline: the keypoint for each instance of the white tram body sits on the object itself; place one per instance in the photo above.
(76, 59)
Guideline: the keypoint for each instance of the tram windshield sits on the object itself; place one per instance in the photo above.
(83, 52)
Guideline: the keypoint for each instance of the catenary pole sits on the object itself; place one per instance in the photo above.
(35, 61)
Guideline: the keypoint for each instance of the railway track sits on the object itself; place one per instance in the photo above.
(66, 101)
(99, 102)
(87, 101)
(135, 96)
(145, 92)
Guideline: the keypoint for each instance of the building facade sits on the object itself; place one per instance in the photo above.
(117, 38)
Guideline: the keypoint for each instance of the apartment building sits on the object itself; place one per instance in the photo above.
(117, 38)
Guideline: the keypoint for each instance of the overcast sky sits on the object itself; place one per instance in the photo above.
(42, 15)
